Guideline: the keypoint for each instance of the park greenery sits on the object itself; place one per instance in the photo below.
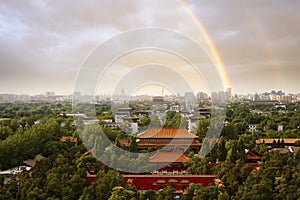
(28, 129)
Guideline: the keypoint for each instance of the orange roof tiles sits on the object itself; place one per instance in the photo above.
(166, 133)
(251, 156)
(270, 140)
(87, 153)
(155, 143)
(72, 139)
(124, 142)
(168, 157)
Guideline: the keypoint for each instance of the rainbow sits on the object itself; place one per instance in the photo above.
(212, 47)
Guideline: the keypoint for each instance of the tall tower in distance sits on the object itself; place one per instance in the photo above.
(228, 93)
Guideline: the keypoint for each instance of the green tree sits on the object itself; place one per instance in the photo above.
(53, 186)
(77, 184)
(233, 175)
(5, 131)
(172, 119)
(155, 122)
(36, 193)
(104, 185)
(199, 165)
(166, 194)
(148, 195)
(203, 125)
(191, 191)
(133, 147)
(277, 178)
(144, 121)
(208, 192)
(229, 132)
(221, 150)
(120, 193)
(41, 168)
(237, 151)
(224, 196)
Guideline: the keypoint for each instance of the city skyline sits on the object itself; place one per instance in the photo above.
(44, 43)
(161, 93)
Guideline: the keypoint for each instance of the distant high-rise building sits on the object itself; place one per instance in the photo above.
(50, 94)
(189, 99)
(275, 97)
(189, 96)
(202, 96)
(222, 96)
(228, 93)
(214, 96)
(158, 100)
(256, 97)
(286, 98)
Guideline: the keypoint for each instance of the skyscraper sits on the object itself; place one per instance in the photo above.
(228, 93)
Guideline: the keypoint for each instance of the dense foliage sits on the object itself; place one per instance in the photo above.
(35, 128)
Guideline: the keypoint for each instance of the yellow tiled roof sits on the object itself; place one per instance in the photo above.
(166, 133)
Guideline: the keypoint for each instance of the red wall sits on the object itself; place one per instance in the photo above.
(145, 182)
(91, 179)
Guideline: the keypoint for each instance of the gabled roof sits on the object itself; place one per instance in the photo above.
(270, 140)
(168, 157)
(72, 139)
(167, 142)
(87, 153)
(124, 142)
(282, 150)
(294, 149)
(31, 162)
(251, 156)
(156, 133)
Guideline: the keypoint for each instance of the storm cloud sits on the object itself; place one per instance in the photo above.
(43, 43)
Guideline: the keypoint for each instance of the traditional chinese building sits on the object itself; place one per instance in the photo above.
(252, 159)
(71, 139)
(157, 182)
(31, 162)
(285, 141)
(169, 162)
(167, 137)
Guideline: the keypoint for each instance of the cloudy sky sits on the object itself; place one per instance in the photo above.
(44, 43)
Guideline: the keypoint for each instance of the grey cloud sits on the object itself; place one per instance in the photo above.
(50, 39)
